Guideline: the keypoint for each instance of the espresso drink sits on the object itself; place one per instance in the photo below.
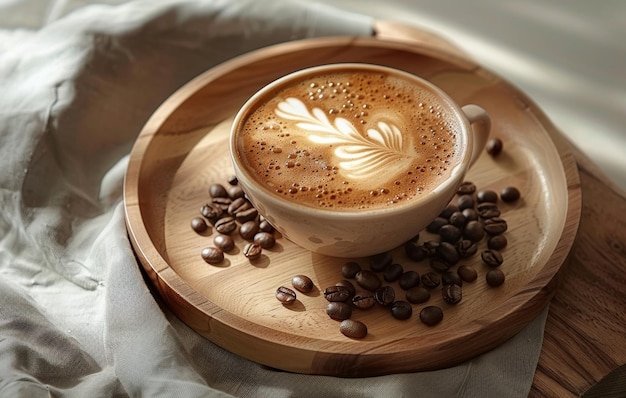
(352, 139)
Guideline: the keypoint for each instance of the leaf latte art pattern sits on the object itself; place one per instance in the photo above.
(377, 152)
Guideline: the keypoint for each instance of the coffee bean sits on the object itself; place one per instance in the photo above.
(248, 229)
(447, 212)
(497, 242)
(235, 192)
(198, 225)
(238, 205)
(431, 315)
(495, 277)
(487, 195)
(353, 329)
(252, 251)
(226, 225)
(350, 269)
(436, 224)
(285, 295)
(495, 226)
(492, 258)
(265, 226)
(224, 242)
(212, 255)
(368, 280)
(247, 215)
(232, 180)
(474, 231)
(470, 215)
(466, 248)
(418, 295)
(431, 246)
(363, 301)
(222, 203)
(494, 146)
(466, 188)
(337, 293)
(430, 280)
(264, 239)
(339, 311)
(385, 295)
(452, 294)
(302, 283)
(211, 212)
(458, 219)
(451, 278)
(217, 191)
(467, 273)
(415, 251)
(378, 262)
(448, 252)
(393, 272)
(401, 310)
(439, 265)
(409, 279)
(450, 233)
(488, 210)
(348, 285)
(465, 202)
(510, 194)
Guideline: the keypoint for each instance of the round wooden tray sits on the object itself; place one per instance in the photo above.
(183, 148)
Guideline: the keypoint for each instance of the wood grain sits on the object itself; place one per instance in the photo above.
(183, 148)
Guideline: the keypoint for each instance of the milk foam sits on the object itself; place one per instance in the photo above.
(351, 140)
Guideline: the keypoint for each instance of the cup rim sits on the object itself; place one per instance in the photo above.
(455, 177)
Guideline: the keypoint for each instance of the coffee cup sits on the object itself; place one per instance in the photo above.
(351, 160)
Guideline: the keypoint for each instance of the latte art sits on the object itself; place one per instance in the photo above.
(350, 140)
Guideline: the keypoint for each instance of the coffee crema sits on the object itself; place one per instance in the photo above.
(350, 139)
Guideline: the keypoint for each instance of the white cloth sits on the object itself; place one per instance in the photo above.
(76, 316)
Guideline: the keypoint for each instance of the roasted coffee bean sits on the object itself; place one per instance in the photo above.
(198, 225)
(466, 188)
(285, 295)
(353, 329)
(451, 278)
(393, 272)
(237, 205)
(465, 202)
(248, 229)
(497, 242)
(431, 246)
(452, 294)
(378, 262)
(252, 251)
(492, 258)
(212, 255)
(247, 215)
(337, 293)
(348, 285)
(363, 301)
(217, 191)
(265, 226)
(222, 203)
(232, 179)
(235, 192)
(418, 295)
(474, 231)
(339, 311)
(431, 315)
(430, 280)
(438, 264)
(447, 212)
(487, 195)
(401, 310)
(211, 212)
(466, 248)
(448, 252)
(467, 273)
(450, 233)
(226, 225)
(495, 226)
(494, 277)
(302, 283)
(470, 215)
(494, 146)
(409, 279)
(385, 295)
(224, 242)
(488, 210)
(458, 219)
(436, 224)
(368, 280)
(264, 239)
(350, 269)
(510, 194)
(415, 251)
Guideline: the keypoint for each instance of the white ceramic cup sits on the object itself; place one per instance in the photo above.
(359, 232)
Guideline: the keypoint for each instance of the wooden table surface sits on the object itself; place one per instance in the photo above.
(585, 332)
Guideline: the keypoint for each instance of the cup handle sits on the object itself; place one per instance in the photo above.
(481, 126)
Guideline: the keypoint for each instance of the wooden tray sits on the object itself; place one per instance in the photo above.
(183, 148)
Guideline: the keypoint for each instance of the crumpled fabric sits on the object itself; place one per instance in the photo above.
(77, 318)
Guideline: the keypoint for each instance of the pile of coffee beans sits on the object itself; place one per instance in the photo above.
(229, 212)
